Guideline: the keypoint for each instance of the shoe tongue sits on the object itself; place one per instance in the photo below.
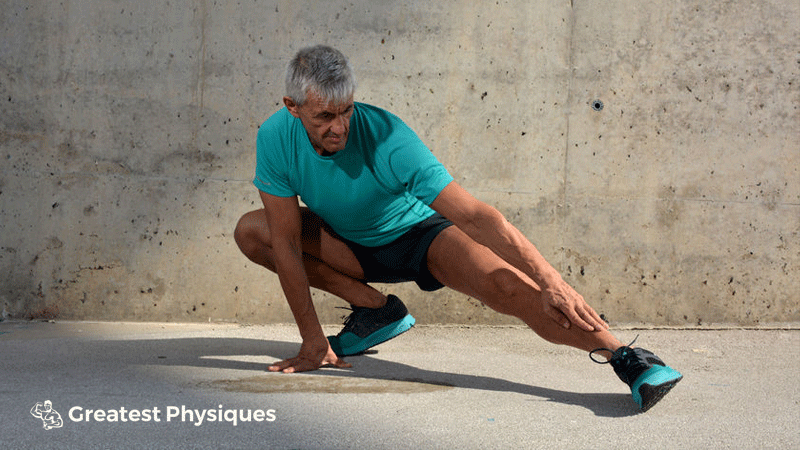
(622, 352)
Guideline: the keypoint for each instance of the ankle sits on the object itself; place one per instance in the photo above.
(371, 302)
(379, 302)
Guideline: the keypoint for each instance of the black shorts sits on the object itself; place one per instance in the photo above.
(405, 259)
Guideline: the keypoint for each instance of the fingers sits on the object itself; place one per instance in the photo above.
(294, 365)
(564, 313)
(281, 366)
(576, 318)
(582, 315)
(590, 316)
(595, 319)
(586, 318)
(558, 317)
(303, 364)
(341, 364)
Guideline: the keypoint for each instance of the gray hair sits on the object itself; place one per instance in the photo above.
(322, 70)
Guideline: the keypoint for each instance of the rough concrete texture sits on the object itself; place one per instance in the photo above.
(434, 387)
(127, 138)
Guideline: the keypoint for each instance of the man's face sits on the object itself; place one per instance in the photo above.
(327, 124)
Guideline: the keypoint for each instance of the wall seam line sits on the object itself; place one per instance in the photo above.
(567, 113)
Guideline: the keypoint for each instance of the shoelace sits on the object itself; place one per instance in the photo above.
(613, 353)
(349, 320)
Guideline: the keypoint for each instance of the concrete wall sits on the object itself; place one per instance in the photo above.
(127, 145)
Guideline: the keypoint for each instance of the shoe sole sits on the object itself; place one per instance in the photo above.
(380, 336)
(656, 383)
(655, 393)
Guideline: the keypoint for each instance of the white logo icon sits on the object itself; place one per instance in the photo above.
(50, 417)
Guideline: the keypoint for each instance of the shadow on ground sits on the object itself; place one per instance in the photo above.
(368, 375)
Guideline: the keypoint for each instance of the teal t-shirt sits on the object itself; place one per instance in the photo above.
(371, 192)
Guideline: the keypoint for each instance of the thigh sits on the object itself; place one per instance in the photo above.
(321, 242)
(460, 263)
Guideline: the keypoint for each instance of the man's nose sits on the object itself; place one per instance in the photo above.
(339, 125)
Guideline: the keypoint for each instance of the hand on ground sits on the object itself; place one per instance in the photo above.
(311, 357)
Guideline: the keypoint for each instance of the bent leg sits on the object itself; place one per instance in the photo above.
(330, 264)
(462, 264)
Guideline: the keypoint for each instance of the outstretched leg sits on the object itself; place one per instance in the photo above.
(466, 266)
(462, 264)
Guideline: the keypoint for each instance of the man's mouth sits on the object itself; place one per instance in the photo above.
(334, 137)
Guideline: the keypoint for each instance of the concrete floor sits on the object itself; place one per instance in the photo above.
(434, 387)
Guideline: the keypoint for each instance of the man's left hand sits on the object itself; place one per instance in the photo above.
(565, 306)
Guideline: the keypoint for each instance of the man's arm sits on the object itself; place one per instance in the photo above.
(487, 226)
(285, 227)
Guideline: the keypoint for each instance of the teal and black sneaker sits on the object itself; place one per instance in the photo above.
(648, 377)
(366, 327)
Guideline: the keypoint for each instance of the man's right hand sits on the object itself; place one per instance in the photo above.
(312, 356)
(284, 221)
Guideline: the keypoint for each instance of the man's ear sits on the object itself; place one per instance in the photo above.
(291, 106)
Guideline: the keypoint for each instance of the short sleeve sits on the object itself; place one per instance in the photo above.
(272, 157)
(417, 168)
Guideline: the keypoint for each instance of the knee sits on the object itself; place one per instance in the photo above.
(250, 232)
(510, 292)
(240, 234)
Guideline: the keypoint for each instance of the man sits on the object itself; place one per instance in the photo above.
(381, 208)
(50, 417)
